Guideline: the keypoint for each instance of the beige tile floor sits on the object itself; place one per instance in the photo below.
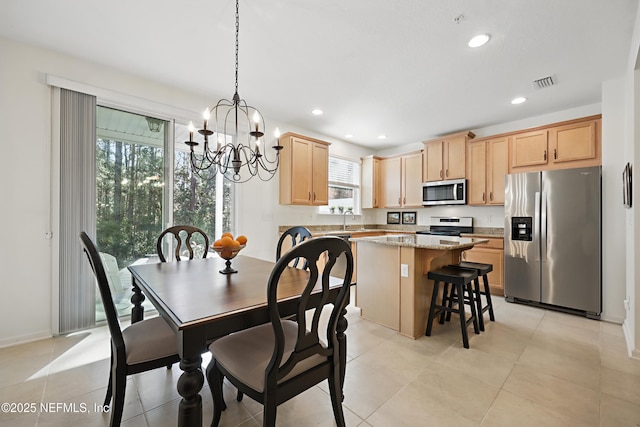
(532, 367)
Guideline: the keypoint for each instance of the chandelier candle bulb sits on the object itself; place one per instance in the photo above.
(191, 129)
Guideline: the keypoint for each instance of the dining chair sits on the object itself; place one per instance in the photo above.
(177, 231)
(274, 362)
(141, 347)
(297, 235)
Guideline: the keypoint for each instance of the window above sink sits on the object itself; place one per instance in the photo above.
(344, 187)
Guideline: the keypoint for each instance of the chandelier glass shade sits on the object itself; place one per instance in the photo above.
(233, 134)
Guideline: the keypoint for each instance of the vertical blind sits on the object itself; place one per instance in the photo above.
(77, 208)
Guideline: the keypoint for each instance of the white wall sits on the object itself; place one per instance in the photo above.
(613, 211)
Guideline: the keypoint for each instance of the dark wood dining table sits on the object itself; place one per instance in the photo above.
(200, 304)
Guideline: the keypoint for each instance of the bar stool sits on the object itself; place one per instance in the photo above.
(482, 270)
(460, 279)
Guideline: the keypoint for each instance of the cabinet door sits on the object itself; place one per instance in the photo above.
(412, 180)
(301, 171)
(476, 190)
(573, 142)
(391, 182)
(433, 161)
(497, 168)
(494, 257)
(320, 179)
(454, 158)
(529, 149)
(370, 175)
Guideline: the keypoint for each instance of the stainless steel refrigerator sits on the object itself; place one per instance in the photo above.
(552, 240)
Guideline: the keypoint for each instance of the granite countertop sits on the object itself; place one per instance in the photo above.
(354, 230)
(423, 241)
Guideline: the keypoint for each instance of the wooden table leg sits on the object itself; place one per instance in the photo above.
(137, 311)
(189, 385)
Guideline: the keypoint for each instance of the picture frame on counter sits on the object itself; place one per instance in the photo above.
(409, 218)
(393, 217)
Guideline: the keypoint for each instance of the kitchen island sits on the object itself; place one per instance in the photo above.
(392, 287)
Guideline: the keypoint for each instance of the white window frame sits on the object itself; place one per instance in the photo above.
(356, 186)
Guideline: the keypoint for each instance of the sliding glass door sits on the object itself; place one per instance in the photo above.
(131, 199)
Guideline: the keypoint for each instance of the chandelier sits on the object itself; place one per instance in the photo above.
(237, 132)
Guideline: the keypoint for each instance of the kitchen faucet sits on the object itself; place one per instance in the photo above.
(344, 218)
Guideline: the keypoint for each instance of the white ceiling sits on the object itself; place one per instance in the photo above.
(400, 68)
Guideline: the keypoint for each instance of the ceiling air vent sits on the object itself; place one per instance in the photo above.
(544, 82)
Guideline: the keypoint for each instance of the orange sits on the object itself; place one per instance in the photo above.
(236, 243)
(226, 253)
(226, 241)
(217, 243)
(227, 234)
(242, 240)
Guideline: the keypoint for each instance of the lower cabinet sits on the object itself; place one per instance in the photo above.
(490, 253)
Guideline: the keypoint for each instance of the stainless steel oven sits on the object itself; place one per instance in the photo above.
(449, 192)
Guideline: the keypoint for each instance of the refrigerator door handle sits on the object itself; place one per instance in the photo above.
(536, 221)
(543, 228)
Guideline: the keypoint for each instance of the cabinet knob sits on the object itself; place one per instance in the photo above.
(545, 154)
(404, 201)
(314, 196)
(447, 173)
(440, 173)
(399, 201)
(555, 154)
(309, 195)
(483, 196)
(491, 195)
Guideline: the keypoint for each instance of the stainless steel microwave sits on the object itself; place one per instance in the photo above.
(449, 192)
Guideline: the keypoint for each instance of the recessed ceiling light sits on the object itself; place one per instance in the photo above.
(317, 112)
(382, 136)
(348, 135)
(479, 40)
(518, 100)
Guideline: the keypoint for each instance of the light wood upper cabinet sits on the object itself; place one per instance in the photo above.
(391, 182)
(488, 163)
(477, 176)
(370, 182)
(433, 161)
(529, 149)
(497, 168)
(412, 180)
(401, 181)
(576, 143)
(445, 158)
(573, 142)
(304, 170)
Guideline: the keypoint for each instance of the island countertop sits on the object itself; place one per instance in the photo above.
(424, 241)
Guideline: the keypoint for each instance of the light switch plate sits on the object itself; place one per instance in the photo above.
(404, 270)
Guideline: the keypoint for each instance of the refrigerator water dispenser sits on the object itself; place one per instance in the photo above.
(522, 228)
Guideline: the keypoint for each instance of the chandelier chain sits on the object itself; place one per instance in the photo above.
(237, 43)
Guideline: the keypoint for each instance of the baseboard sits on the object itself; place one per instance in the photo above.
(23, 339)
(631, 352)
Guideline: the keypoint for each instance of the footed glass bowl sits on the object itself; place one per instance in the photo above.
(228, 253)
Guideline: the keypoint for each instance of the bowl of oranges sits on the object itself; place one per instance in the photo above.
(228, 247)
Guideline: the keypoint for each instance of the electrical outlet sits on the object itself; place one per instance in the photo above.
(404, 270)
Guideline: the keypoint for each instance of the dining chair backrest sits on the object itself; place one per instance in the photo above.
(293, 235)
(105, 292)
(180, 232)
(309, 341)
